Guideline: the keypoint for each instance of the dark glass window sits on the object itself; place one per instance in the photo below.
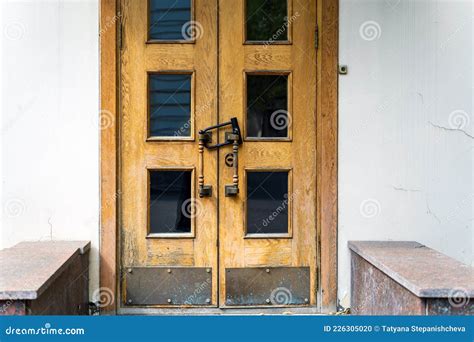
(170, 105)
(267, 106)
(266, 20)
(170, 202)
(267, 202)
(169, 19)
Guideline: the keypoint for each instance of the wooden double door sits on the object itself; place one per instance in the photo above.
(218, 153)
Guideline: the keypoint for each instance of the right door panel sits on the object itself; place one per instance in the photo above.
(267, 79)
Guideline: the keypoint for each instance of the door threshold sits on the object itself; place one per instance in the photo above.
(219, 311)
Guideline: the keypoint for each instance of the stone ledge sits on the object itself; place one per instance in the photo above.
(29, 268)
(420, 269)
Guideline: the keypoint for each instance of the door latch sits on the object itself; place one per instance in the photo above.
(233, 138)
(206, 134)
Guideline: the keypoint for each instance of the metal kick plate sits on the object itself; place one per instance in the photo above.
(274, 286)
(168, 286)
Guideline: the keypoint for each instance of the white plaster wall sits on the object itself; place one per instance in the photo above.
(49, 134)
(406, 126)
(405, 118)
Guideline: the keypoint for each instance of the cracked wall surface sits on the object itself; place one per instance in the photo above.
(406, 126)
(49, 126)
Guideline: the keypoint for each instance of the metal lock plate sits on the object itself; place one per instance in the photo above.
(205, 191)
(205, 137)
(274, 286)
(185, 286)
(231, 190)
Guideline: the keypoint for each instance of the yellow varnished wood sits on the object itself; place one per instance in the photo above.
(218, 61)
(139, 153)
(298, 154)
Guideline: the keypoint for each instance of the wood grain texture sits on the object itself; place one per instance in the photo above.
(327, 151)
(139, 154)
(323, 151)
(108, 151)
(299, 154)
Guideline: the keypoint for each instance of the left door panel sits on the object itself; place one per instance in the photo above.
(168, 85)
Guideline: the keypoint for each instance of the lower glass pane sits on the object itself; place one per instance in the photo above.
(267, 202)
(170, 199)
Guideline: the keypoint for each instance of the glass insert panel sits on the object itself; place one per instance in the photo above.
(267, 106)
(170, 105)
(169, 19)
(267, 202)
(266, 20)
(170, 201)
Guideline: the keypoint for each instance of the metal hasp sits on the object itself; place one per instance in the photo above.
(184, 286)
(269, 286)
(235, 130)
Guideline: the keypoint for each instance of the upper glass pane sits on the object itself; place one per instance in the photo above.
(266, 20)
(169, 19)
(267, 202)
(170, 202)
(267, 106)
(170, 105)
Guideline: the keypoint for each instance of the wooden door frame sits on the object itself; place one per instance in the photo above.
(327, 130)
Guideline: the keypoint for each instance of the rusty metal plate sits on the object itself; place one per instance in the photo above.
(168, 286)
(274, 286)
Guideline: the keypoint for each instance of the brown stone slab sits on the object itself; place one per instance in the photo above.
(28, 268)
(420, 269)
(374, 293)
